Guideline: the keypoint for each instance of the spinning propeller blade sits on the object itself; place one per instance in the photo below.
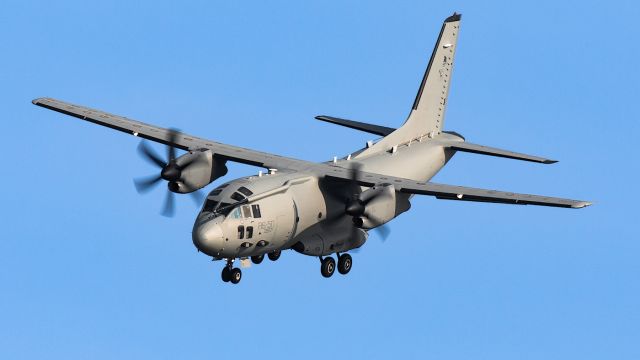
(169, 171)
(355, 206)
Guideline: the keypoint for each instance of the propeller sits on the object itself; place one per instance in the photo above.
(356, 205)
(170, 171)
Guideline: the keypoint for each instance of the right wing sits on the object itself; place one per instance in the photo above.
(182, 141)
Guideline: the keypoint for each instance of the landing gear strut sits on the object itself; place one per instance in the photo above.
(231, 274)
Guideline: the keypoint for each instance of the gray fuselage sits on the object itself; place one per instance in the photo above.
(301, 210)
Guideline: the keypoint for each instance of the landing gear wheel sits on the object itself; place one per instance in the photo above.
(235, 275)
(257, 259)
(328, 266)
(274, 255)
(226, 274)
(344, 264)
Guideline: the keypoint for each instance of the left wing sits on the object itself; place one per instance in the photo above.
(182, 141)
(460, 193)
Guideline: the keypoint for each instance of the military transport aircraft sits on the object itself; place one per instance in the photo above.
(317, 209)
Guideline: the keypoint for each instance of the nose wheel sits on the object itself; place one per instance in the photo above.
(231, 274)
(328, 265)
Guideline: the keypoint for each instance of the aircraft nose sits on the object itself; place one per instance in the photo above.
(208, 238)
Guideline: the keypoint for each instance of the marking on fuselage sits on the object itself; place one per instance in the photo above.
(265, 227)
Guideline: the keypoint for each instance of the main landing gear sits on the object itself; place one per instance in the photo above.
(231, 274)
(328, 265)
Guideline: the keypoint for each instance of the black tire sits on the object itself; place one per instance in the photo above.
(274, 255)
(235, 275)
(257, 259)
(327, 267)
(344, 264)
(226, 274)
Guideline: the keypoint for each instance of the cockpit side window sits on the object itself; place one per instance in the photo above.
(237, 196)
(209, 205)
(245, 191)
(215, 192)
(256, 211)
(218, 190)
(236, 213)
(246, 211)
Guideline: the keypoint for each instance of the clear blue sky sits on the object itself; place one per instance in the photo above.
(89, 270)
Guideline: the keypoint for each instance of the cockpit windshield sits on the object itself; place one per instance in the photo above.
(224, 209)
(209, 205)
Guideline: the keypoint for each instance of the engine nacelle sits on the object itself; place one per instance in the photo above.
(199, 168)
(383, 206)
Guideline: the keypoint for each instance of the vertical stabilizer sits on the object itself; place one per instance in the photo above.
(427, 113)
(426, 118)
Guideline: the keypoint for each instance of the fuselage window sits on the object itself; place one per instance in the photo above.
(245, 191)
(249, 232)
(240, 232)
(246, 211)
(256, 211)
(237, 196)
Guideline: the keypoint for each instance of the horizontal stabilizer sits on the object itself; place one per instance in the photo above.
(370, 128)
(486, 150)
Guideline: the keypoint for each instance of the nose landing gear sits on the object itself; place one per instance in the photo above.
(231, 274)
(328, 265)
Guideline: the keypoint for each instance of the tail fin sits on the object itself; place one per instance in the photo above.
(427, 113)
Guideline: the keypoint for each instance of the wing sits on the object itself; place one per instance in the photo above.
(459, 193)
(328, 170)
(183, 141)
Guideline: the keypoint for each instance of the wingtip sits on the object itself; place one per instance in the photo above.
(454, 17)
(35, 101)
(547, 161)
(582, 204)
